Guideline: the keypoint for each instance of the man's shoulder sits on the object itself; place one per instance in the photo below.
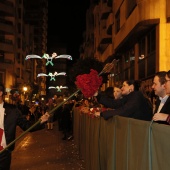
(8, 105)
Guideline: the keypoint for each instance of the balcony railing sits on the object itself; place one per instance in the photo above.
(105, 10)
(109, 23)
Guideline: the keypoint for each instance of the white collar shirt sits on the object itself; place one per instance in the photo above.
(163, 100)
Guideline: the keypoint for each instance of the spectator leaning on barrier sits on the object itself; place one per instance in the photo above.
(162, 116)
(135, 104)
(162, 103)
(115, 102)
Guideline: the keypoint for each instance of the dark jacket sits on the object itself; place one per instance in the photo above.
(135, 106)
(13, 118)
(165, 109)
(109, 102)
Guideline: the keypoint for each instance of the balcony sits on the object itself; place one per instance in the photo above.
(105, 38)
(6, 45)
(105, 10)
(109, 24)
(108, 52)
(6, 26)
(6, 63)
(7, 8)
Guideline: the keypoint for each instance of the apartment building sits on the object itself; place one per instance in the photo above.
(136, 33)
(18, 38)
(36, 14)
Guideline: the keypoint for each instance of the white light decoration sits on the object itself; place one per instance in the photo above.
(49, 58)
(58, 88)
(52, 75)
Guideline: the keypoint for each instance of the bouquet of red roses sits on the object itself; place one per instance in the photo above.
(89, 83)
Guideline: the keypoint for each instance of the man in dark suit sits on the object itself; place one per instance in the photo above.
(10, 117)
(162, 103)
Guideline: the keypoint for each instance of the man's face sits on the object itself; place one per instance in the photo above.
(158, 88)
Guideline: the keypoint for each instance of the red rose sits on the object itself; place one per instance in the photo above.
(88, 83)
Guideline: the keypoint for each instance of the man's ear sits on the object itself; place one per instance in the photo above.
(132, 87)
(163, 85)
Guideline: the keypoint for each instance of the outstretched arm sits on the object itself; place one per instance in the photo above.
(161, 117)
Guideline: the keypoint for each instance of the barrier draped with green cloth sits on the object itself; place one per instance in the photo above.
(123, 143)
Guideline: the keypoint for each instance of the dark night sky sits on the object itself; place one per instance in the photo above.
(66, 23)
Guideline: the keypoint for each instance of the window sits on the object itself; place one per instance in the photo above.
(151, 41)
(19, 13)
(18, 72)
(18, 58)
(19, 28)
(2, 56)
(142, 48)
(1, 77)
(117, 22)
(19, 43)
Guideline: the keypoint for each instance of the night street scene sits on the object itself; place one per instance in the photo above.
(84, 85)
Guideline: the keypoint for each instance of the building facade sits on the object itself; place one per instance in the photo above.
(133, 32)
(20, 36)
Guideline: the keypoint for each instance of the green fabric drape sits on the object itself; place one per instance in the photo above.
(160, 143)
(122, 143)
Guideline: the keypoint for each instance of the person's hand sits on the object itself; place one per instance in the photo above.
(84, 109)
(97, 114)
(96, 93)
(160, 117)
(44, 117)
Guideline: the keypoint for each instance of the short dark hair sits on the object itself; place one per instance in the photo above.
(168, 74)
(2, 88)
(135, 83)
(161, 75)
(109, 91)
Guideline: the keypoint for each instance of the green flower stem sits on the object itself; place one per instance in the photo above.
(106, 69)
(36, 123)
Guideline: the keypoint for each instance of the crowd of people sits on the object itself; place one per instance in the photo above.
(63, 114)
(12, 115)
(131, 99)
(134, 100)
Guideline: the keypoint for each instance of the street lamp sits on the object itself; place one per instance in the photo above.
(25, 90)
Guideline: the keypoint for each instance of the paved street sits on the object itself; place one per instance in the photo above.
(45, 150)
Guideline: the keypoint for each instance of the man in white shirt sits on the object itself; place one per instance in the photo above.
(162, 103)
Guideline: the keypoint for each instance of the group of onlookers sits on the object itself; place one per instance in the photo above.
(132, 100)
(63, 114)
